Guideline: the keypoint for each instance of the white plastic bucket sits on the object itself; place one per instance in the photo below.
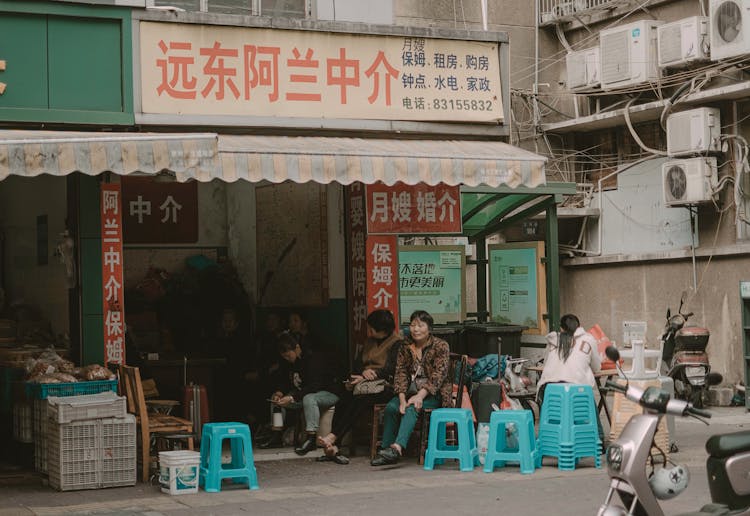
(179, 471)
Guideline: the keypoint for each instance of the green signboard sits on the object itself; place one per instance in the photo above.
(431, 278)
(517, 286)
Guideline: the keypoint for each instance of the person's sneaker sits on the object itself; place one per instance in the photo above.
(308, 446)
(386, 457)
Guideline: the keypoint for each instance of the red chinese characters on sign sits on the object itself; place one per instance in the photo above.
(404, 209)
(382, 274)
(222, 71)
(112, 282)
(160, 213)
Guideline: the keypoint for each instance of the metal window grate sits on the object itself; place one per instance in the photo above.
(554, 11)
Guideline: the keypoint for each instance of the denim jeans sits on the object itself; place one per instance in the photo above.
(312, 404)
(397, 428)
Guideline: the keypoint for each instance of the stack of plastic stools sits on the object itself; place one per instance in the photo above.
(438, 450)
(568, 425)
(498, 451)
(241, 468)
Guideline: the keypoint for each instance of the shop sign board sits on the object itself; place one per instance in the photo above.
(159, 212)
(404, 209)
(382, 273)
(432, 278)
(357, 264)
(112, 277)
(190, 69)
(518, 284)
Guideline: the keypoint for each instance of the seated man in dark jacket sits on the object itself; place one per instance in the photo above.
(310, 378)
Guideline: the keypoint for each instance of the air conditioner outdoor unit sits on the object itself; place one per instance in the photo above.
(683, 41)
(628, 54)
(693, 131)
(583, 69)
(689, 181)
(729, 28)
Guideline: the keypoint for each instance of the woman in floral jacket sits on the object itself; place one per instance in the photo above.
(421, 381)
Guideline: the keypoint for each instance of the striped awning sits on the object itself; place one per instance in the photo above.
(58, 153)
(346, 160)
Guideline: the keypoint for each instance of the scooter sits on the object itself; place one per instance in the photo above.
(685, 357)
(632, 463)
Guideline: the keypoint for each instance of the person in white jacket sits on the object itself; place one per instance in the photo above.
(572, 356)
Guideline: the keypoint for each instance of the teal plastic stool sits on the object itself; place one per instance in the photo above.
(438, 450)
(241, 469)
(568, 427)
(498, 451)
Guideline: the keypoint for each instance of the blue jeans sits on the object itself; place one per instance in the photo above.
(312, 404)
(397, 428)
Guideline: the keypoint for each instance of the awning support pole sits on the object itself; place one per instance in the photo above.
(553, 268)
(481, 247)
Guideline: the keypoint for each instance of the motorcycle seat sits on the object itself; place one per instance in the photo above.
(725, 445)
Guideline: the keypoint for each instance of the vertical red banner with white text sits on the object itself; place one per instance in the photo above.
(112, 280)
(382, 273)
(357, 273)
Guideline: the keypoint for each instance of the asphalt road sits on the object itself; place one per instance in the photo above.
(305, 487)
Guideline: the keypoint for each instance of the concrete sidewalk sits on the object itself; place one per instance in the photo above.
(303, 486)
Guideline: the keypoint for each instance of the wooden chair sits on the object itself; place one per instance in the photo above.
(149, 425)
(458, 363)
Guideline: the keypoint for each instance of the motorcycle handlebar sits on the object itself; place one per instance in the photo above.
(688, 315)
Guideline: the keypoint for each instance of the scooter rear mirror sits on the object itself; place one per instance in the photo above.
(714, 378)
(669, 313)
(612, 353)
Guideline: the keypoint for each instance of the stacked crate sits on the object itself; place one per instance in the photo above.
(91, 442)
(39, 394)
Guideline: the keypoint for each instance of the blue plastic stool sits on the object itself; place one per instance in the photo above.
(498, 451)
(241, 469)
(465, 451)
(568, 426)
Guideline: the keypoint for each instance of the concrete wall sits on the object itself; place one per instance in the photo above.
(43, 286)
(242, 228)
(643, 292)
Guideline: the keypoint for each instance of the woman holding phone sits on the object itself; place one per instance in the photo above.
(375, 364)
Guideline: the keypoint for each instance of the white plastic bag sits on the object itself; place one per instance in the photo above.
(483, 439)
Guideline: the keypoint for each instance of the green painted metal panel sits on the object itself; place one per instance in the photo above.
(85, 65)
(93, 339)
(23, 46)
(89, 217)
(91, 276)
(87, 75)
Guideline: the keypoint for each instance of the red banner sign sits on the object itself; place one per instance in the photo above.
(112, 281)
(382, 274)
(357, 288)
(159, 213)
(405, 209)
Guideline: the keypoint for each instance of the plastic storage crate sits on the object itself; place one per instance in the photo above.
(90, 406)
(41, 391)
(39, 431)
(92, 454)
(23, 422)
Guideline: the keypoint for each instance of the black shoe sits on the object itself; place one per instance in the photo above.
(274, 442)
(386, 457)
(338, 459)
(308, 446)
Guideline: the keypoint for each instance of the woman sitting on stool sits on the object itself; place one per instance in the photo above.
(572, 356)
(421, 381)
(376, 365)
